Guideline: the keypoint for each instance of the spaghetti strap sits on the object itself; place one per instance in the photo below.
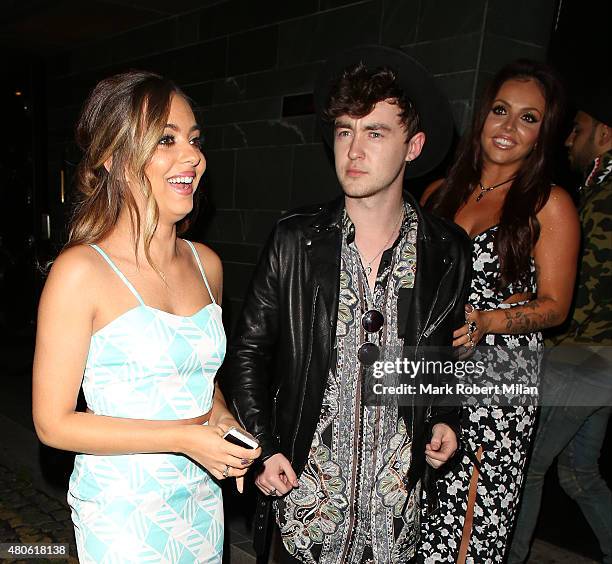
(195, 254)
(118, 272)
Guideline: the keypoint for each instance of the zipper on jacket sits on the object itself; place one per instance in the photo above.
(274, 405)
(437, 322)
(297, 426)
(442, 316)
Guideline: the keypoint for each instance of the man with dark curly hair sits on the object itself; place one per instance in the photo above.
(336, 284)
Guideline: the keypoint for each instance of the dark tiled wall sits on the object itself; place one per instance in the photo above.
(250, 67)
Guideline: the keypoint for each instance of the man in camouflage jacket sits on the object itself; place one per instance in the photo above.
(578, 377)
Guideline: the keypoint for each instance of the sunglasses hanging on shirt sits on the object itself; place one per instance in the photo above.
(372, 321)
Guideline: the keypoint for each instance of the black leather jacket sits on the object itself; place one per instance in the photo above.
(276, 366)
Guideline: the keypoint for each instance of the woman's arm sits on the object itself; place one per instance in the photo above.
(221, 415)
(555, 256)
(214, 274)
(220, 412)
(66, 314)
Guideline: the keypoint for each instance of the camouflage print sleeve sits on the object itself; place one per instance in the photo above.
(592, 321)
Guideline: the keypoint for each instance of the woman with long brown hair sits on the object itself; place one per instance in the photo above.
(132, 312)
(525, 236)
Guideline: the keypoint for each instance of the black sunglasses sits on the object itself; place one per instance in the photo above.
(372, 321)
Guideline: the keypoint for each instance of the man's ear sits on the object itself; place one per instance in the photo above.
(415, 146)
(603, 136)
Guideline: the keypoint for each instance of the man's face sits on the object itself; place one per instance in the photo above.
(580, 142)
(371, 152)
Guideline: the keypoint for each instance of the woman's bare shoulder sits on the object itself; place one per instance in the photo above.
(430, 190)
(209, 258)
(211, 263)
(76, 264)
(76, 275)
(559, 206)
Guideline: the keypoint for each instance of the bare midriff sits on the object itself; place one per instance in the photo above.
(199, 420)
(519, 297)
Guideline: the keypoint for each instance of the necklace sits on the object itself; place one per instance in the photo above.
(368, 267)
(484, 190)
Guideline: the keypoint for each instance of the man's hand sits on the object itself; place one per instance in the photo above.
(442, 446)
(277, 477)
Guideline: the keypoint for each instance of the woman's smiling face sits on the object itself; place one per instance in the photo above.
(512, 127)
(177, 164)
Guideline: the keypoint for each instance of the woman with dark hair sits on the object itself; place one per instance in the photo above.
(525, 236)
(131, 311)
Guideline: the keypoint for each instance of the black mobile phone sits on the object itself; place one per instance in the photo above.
(237, 437)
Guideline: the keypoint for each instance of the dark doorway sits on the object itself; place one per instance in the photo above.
(22, 192)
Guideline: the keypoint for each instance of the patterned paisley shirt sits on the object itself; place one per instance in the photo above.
(352, 505)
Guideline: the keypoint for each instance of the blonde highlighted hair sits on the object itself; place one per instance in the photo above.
(118, 131)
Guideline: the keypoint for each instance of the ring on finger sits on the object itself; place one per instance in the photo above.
(470, 342)
(472, 327)
(226, 472)
(273, 491)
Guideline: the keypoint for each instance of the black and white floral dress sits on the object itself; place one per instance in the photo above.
(495, 438)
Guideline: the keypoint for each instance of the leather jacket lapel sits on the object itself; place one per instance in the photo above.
(323, 248)
(418, 304)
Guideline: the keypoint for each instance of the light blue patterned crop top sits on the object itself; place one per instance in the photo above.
(151, 364)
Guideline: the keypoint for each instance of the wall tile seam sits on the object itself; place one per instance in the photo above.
(223, 126)
(253, 146)
(213, 107)
(434, 41)
(343, 6)
(257, 28)
(381, 23)
(479, 55)
(453, 73)
(237, 122)
(237, 149)
(247, 74)
(242, 210)
(443, 38)
(291, 184)
(284, 121)
(514, 40)
(417, 22)
(234, 175)
(248, 101)
(257, 98)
